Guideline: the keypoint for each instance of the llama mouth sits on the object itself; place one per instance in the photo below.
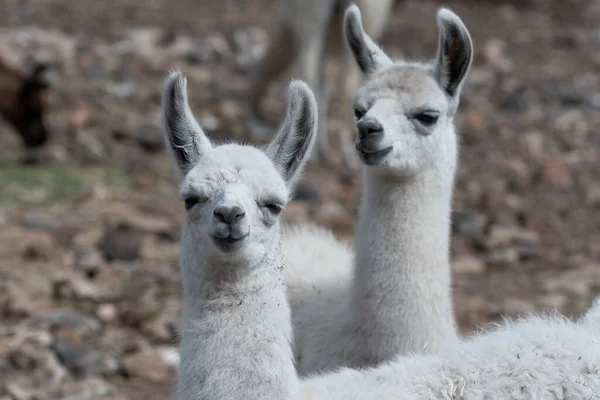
(375, 157)
(229, 244)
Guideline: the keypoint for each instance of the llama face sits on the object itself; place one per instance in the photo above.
(234, 194)
(405, 110)
(233, 199)
(402, 120)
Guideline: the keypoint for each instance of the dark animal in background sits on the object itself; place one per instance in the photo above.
(23, 104)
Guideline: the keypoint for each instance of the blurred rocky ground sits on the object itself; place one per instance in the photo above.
(89, 285)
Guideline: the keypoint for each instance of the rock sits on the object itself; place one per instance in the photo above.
(82, 323)
(41, 221)
(107, 313)
(467, 224)
(468, 265)
(14, 300)
(91, 261)
(82, 361)
(88, 389)
(39, 247)
(92, 150)
(557, 172)
(502, 257)
(121, 243)
(151, 138)
(148, 365)
(171, 355)
(500, 236)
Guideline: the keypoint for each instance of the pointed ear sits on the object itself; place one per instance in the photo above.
(455, 52)
(184, 136)
(367, 54)
(292, 146)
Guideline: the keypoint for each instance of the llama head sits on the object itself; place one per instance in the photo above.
(234, 194)
(405, 110)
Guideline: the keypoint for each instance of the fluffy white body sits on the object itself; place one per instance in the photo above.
(543, 357)
(392, 295)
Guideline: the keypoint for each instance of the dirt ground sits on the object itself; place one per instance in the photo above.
(89, 284)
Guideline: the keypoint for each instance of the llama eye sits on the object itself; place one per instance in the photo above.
(358, 113)
(275, 209)
(192, 201)
(427, 118)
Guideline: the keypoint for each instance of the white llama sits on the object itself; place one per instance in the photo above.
(236, 329)
(397, 299)
(236, 318)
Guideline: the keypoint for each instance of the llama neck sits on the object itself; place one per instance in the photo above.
(402, 285)
(236, 330)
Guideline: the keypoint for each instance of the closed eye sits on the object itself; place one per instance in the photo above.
(427, 118)
(192, 201)
(274, 208)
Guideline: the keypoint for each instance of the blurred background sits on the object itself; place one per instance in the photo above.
(90, 220)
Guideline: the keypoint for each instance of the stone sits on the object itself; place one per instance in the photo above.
(467, 224)
(84, 324)
(557, 172)
(121, 243)
(151, 138)
(468, 265)
(107, 313)
(82, 361)
(14, 300)
(40, 246)
(148, 365)
(40, 221)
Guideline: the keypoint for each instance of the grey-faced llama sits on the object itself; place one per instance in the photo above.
(393, 295)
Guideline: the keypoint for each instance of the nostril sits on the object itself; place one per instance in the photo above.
(239, 216)
(229, 214)
(367, 127)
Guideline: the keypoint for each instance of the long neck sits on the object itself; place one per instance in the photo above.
(236, 330)
(402, 294)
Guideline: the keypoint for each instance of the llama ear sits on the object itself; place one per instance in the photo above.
(292, 146)
(184, 136)
(367, 54)
(455, 52)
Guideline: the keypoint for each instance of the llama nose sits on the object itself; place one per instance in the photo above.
(369, 127)
(229, 213)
